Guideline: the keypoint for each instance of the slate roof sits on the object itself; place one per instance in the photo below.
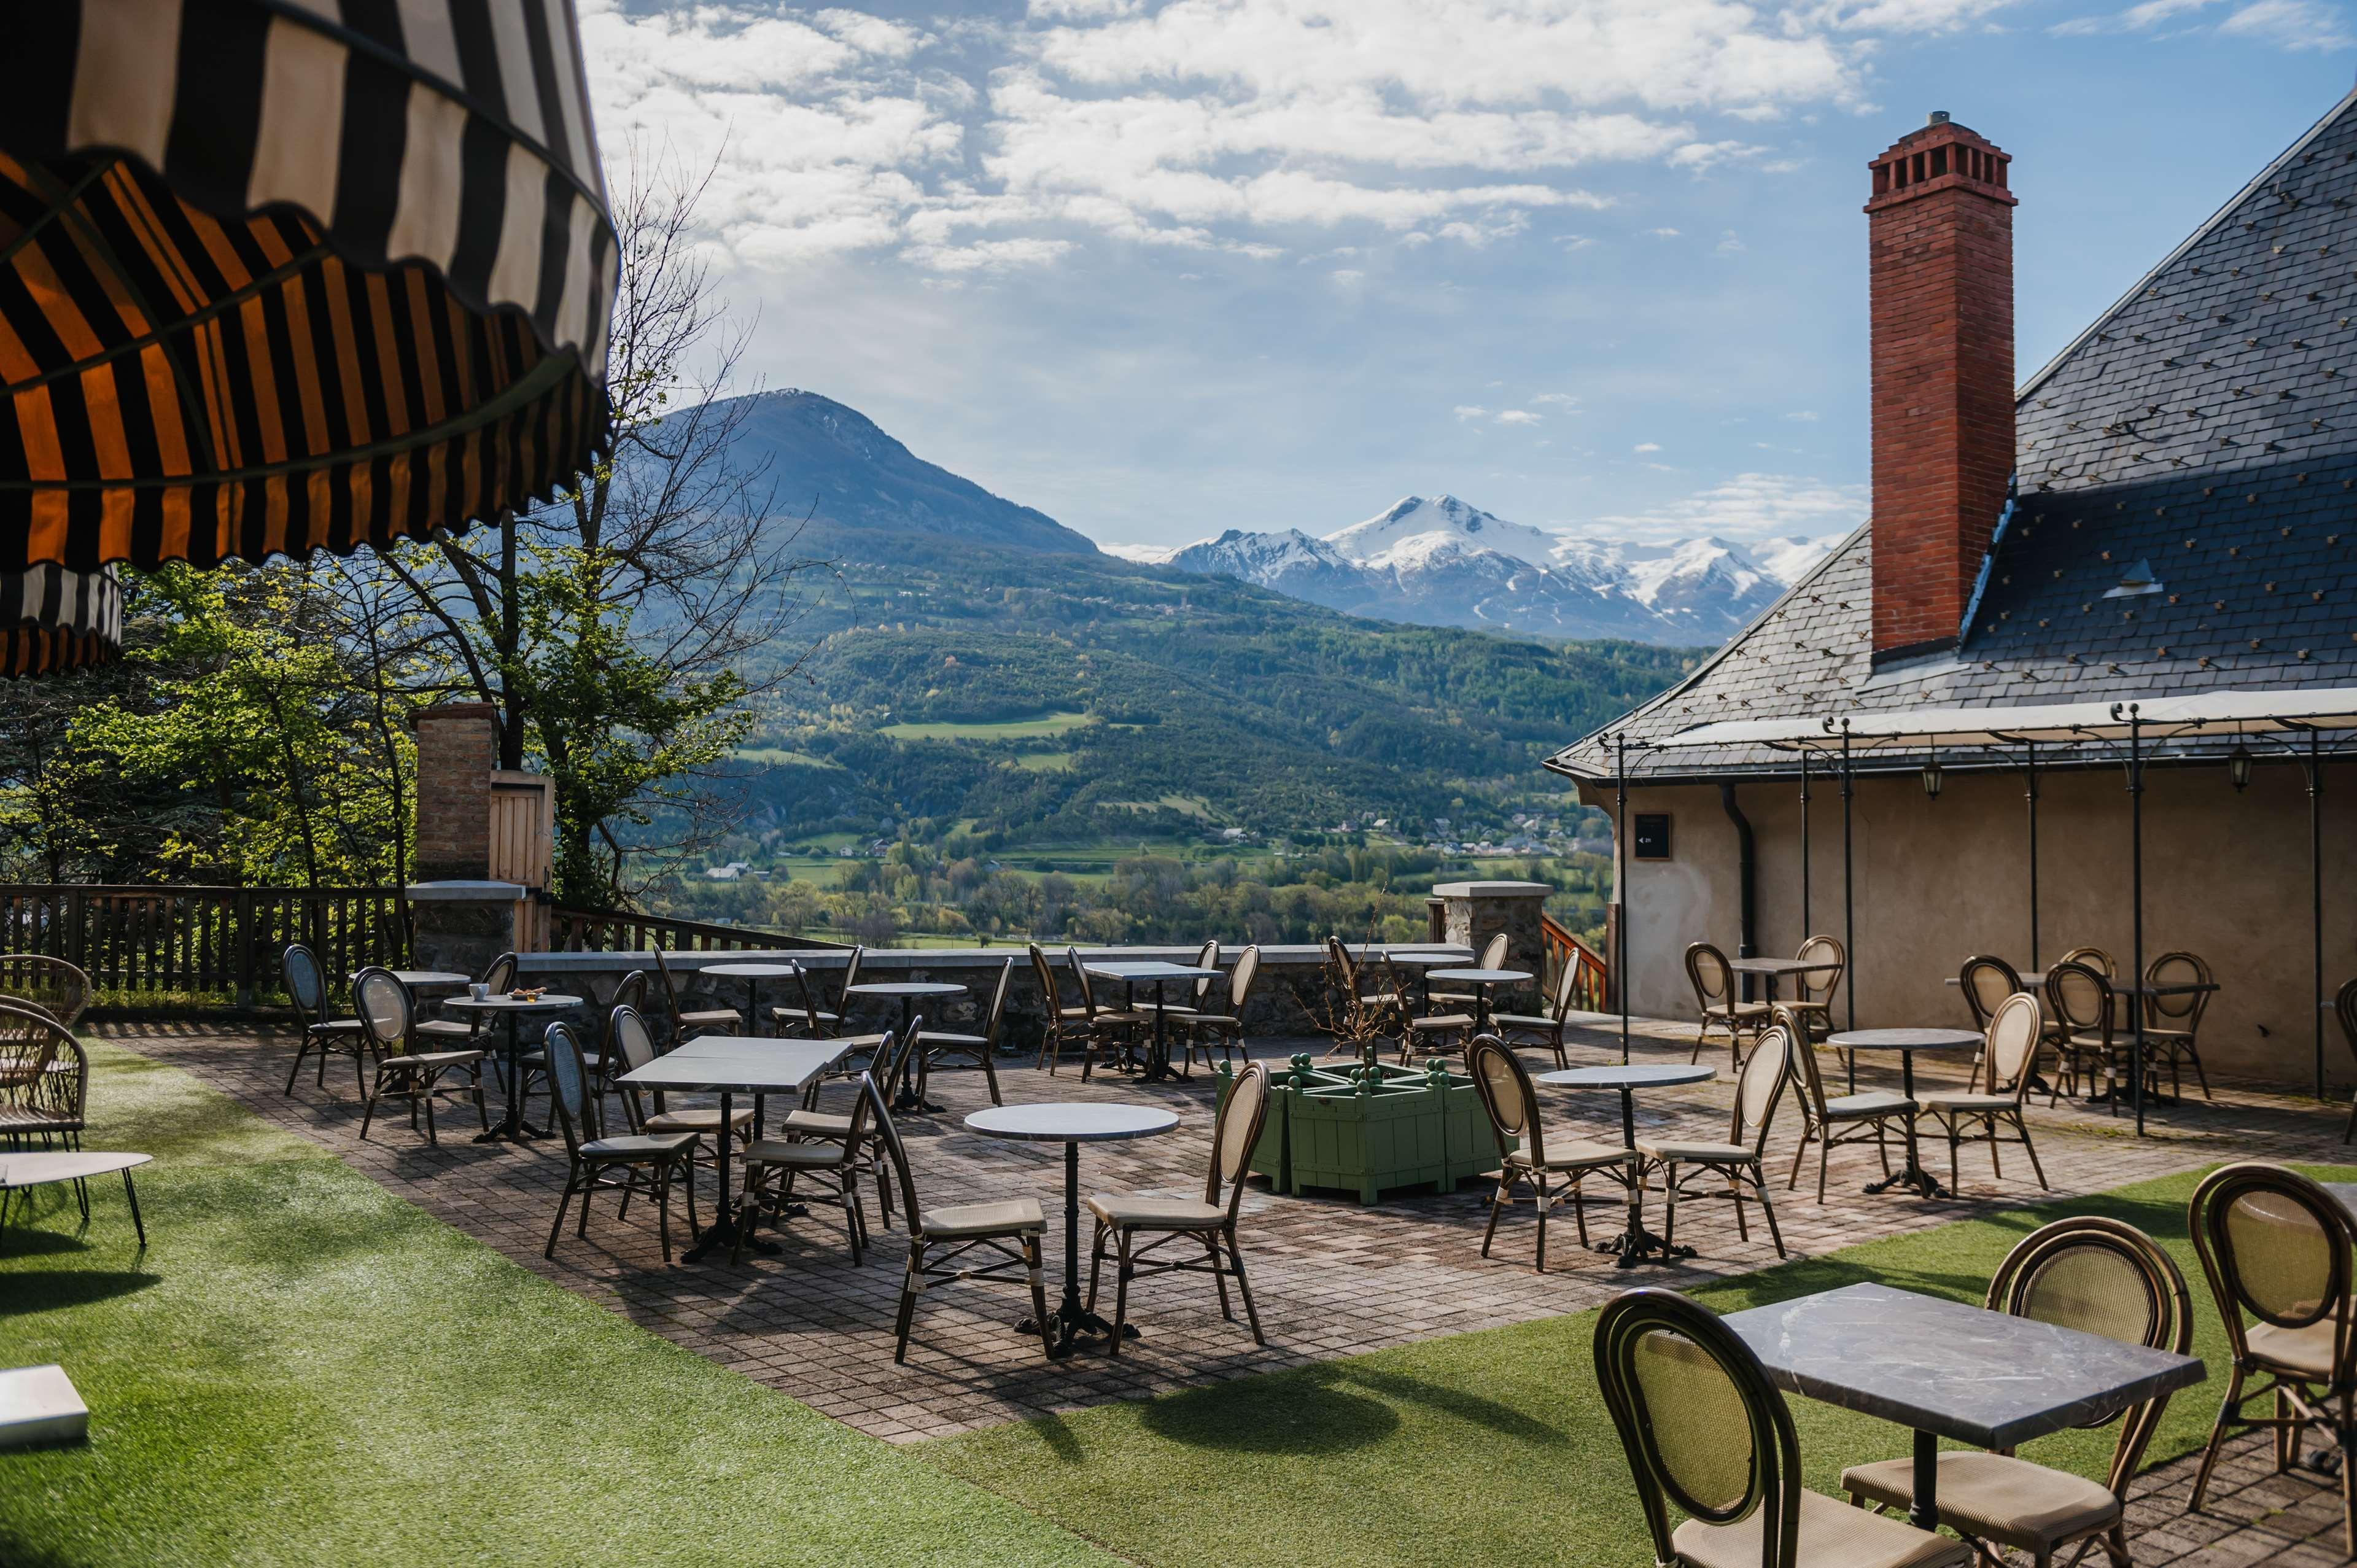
(2203, 432)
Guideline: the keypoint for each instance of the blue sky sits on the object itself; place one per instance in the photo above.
(1160, 269)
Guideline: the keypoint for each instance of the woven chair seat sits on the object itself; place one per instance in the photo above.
(433, 1059)
(1525, 1021)
(442, 1028)
(26, 1119)
(1215, 1021)
(1073, 1014)
(2308, 1351)
(1577, 1156)
(1739, 1010)
(972, 1221)
(1120, 1017)
(1148, 1004)
(816, 1123)
(2153, 1032)
(352, 1026)
(802, 1016)
(1144, 1211)
(948, 1038)
(1833, 1535)
(591, 1062)
(794, 1156)
(637, 1146)
(701, 1121)
(2007, 1501)
(1968, 1102)
(1865, 1104)
(1696, 1153)
(1440, 1023)
(703, 1016)
(1394, 999)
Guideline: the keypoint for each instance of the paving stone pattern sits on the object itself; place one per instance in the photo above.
(1332, 1277)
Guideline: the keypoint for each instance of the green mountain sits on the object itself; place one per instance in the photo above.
(971, 668)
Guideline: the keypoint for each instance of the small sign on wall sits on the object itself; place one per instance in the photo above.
(1648, 838)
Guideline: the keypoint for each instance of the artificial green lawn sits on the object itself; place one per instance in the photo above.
(306, 1369)
(1490, 1448)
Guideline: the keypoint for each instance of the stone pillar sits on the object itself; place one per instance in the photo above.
(462, 926)
(1479, 910)
(457, 749)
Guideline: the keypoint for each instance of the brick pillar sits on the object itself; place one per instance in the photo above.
(458, 747)
(1479, 910)
(1940, 236)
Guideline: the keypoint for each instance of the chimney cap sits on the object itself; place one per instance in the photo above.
(1936, 117)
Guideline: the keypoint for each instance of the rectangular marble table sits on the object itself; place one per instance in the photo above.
(1951, 1370)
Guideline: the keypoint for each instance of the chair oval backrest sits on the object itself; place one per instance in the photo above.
(1506, 1094)
(499, 973)
(2080, 996)
(1819, 985)
(2274, 1243)
(896, 1056)
(850, 979)
(1804, 1059)
(29, 1039)
(61, 989)
(627, 1027)
(1338, 952)
(1080, 978)
(1050, 998)
(1986, 982)
(1206, 957)
(1714, 982)
(1493, 952)
(632, 992)
(888, 1137)
(577, 1108)
(2011, 1040)
(1567, 985)
(1761, 1083)
(2096, 959)
(383, 1002)
(2177, 969)
(998, 1002)
(2344, 1007)
(305, 982)
(1240, 980)
(1702, 1426)
(1237, 1134)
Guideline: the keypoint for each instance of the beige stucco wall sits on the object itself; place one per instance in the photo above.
(2225, 876)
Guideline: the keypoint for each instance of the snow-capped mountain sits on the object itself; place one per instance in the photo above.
(1443, 562)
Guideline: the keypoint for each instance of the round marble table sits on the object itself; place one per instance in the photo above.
(911, 1095)
(512, 1127)
(1073, 1123)
(1424, 960)
(21, 1168)
(1481, 979)
(752, 974)
(1635, 1244)
(1907, 1042)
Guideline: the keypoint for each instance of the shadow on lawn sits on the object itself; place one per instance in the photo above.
(52, 1290)
(1323, 1410)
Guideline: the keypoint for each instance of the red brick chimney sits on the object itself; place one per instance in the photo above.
(1940, 236)
(457, 746)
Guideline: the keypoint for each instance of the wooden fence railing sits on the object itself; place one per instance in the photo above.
(156, 940)
(617, 930)
(1590, 993)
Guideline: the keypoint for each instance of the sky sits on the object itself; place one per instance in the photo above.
(1164, 267)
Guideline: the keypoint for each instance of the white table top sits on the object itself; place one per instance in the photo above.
(548, 1003)
(1071, 1121)
(1421, 960)
(1482, 976)
(1636, 1075)
(39, 1168)
(1778, 965)
(779, 1067)
(1904, 1039)
(905, 988)
(751, 971)
(1149, 969)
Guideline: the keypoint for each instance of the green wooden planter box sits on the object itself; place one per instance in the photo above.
(1371, 1130)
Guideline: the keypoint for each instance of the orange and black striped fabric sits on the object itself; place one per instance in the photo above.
(52, 620)
(276, 276)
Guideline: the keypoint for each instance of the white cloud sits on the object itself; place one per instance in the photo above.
(1663, 234)
(987, 255)
(1802, 416)
(1701, 157)
(1518, 416)
(2290, 24)
(1749, 506)
(1730, 244)
(1347, 276)
(1469, 411)
(1564, 400)
(1647, 446)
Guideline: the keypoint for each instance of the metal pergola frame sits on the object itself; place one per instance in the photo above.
(2136, 731)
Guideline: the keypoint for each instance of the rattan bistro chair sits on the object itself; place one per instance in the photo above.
(307, 987)
(807, 1015)
(44, 1083)
(1209, 1222)
(1429, 1032)
(1720, 1008)
(627, 1029)
(60, 989)
(1178, 1012)
(1546, 1029)
(1346, 971)
(1525, 1159)
(2010, 1053)
(1832, 1122)
(2275, 1248)
(389, 1020)
(1813, 989)
(775, 1169)
(684, 1024)
(1111, 1029)
(943, 1243)
(497, 979)
(940, 1048)
(1758, 1088)
(2096, 1275)
(1705, 1431)
(2079, 996)
(594, 1160)
(2172, 1023)
(1226, 1028)
(1067, 1023)
(1491, 956)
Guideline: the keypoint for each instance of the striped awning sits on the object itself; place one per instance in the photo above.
(53, 619)
(277, 276)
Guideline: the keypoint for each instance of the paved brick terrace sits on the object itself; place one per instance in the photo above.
(1332, 1277)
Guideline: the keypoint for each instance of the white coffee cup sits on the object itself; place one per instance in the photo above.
(478, 990)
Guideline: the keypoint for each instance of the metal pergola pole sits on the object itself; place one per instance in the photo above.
(1628, 865)
(1850, 906)
(2135, 863)
(2316, 888)
(1808, 927)
(2031, 794)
